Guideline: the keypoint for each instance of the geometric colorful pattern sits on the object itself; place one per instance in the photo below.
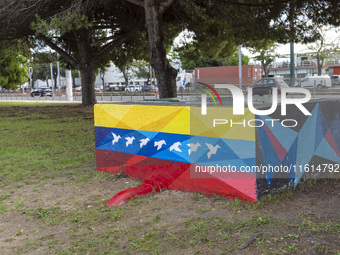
(166, 144)
(234, 146)
(284, 146)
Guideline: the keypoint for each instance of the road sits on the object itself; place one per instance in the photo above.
(140, 97)
(77, 98)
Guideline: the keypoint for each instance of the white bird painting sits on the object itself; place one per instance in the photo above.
(129, 140)
(115, 138)
(212, 149)
(159, 144)
(144, 141)
(175, 147)
(193, 147)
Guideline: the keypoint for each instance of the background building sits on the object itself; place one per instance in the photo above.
(305, 65)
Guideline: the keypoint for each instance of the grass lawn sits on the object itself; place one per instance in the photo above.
(53, 201)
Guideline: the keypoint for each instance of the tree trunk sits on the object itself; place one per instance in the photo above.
(149, 75)
(265, 70)
(86, 68)
(164, 72)
(55, 80)
(47, 76)
(102, 77)
(126, 78)
(87, 85)
(319, 63)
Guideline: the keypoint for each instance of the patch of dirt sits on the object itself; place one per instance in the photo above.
(23, 231)
(22, 222)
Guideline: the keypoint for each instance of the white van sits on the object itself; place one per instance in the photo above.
(317, 82)
(183, 80)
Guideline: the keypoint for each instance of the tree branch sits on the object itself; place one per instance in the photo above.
(108, 47)
(256, 4)
(165, 5)
(102, 40)
(136, 2)
(75, 64)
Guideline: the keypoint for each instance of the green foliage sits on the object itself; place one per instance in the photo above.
(60, 25)
(141, 69)
(265, 50)
(41, 71)
(13, 69)
(42, 213)
(92, 33)
(323, 48)
(41, 66)
(191, 60)
(233, 60)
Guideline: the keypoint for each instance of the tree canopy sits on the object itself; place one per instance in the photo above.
(191, 59)
(86, 32)
(265, 53)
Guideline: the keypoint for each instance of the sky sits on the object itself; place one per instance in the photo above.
(332, 35)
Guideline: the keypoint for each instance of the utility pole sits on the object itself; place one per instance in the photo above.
(51, 66)
(23, 86)
(30, 71)
(240, 66)
(69, 91)
(59, 82)
(292, 30)
(100, 80)
(292, 65)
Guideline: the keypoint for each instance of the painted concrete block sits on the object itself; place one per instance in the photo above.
(183, 150)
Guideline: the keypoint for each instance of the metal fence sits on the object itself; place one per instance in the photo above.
(104, 96)
(318, 86)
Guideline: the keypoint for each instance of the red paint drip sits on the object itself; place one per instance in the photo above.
(147, 186)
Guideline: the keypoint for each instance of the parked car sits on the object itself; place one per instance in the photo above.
(317, 82)
(150, 88)
(42, 92)
(335, 80)
(265, 85)
(112, 88)
(146, 88)
(133, 88)
(288, 81)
